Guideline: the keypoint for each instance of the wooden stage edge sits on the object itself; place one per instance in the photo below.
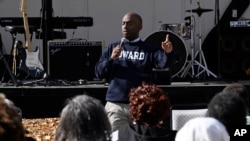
(47, 101)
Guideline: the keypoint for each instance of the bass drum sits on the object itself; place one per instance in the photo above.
(179, 47)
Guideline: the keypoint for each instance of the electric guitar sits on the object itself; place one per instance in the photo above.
(30, 62)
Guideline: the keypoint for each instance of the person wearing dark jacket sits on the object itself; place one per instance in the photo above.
(241, 90)
(229, 108)
(149, 111)
(11, 127)
(126, 64)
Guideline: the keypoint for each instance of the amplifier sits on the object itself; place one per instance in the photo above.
(73, 60)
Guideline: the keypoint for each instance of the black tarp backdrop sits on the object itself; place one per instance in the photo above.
(227, 49)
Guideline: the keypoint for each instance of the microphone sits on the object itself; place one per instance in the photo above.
(123, 40)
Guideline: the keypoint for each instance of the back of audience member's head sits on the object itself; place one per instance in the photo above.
(229, 108)
(13, 106)
(149, 104)
(239, 89)
(83, 119)
(202, 129)
(11, 127)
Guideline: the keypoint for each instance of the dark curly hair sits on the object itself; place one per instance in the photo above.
(11, 128)
(149, 105)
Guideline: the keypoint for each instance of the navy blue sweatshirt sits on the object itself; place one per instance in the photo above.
(133, 66)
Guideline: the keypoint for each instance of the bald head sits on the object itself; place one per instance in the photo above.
(131, 25)
(135, 16)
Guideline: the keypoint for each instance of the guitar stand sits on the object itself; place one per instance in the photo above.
(44, 78)
(14, 30)
(2, 57)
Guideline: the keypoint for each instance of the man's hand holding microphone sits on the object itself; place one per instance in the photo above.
(118, 49)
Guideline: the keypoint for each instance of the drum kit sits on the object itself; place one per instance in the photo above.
(194, 63)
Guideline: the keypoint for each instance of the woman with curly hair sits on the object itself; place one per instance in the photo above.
(11, 127)
(149, 110)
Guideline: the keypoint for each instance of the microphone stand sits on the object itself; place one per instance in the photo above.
(46, 28)
(217, 18)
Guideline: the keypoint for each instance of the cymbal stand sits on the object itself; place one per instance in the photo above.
(190, 62)
(201, 63)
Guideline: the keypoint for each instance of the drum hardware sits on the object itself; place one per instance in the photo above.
(190, 61)
(181, 29)
(197, 58)
(199, 11)
(188, 20)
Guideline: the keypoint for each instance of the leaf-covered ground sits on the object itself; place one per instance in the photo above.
(41, 129)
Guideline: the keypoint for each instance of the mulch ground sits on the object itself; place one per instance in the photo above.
(41, 129)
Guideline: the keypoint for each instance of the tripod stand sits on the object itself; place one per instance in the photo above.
(197, 58)
(201, 63)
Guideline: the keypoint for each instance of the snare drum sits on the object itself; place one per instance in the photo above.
(180, 51)
(178, 28)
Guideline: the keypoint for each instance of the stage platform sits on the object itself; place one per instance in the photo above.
(37, 101)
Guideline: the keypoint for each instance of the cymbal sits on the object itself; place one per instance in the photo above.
(199, 10)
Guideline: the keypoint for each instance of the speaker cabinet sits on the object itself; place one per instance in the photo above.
(229, 53)
(73, 60)
(235, 56)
